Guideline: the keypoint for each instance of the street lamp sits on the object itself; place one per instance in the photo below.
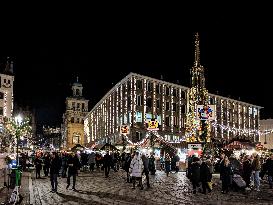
(18, 121)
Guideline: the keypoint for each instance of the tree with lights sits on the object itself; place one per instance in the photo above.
(197, 130)
(14, 129)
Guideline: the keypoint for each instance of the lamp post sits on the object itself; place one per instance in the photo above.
(18, 121)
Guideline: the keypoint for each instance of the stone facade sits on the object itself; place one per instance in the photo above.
(76, 110)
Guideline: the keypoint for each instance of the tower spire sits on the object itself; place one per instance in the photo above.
(197, 51)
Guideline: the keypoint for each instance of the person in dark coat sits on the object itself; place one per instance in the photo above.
(152, 164)
(73, 166)
(145, 161)
(54, 171)
(38, 166)
(269, 168)
(167, 164)
(226, 176)
(127, 163)
(247, 170)
(205, 176)
(46, 164)
(107, 163)
(194, 173)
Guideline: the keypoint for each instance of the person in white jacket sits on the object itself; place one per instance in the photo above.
(136, 169)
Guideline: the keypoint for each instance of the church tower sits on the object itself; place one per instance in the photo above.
(197, 130)
(76, 110)
(6, 90)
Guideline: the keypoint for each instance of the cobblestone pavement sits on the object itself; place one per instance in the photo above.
(94, 188)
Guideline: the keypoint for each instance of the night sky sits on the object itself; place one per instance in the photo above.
(46, 63)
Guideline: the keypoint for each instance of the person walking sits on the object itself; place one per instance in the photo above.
(167, 164)
(136, 168)
(107, 163)
(73, 166)
(54, 171)
(227, 174)
(38, 166)
(91, 161)
(127, 163)
(247, 170)
(146, 169)
(256, 168)
(194, 173)
(205, 176)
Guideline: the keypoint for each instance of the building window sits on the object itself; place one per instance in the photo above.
(167, 91)
(73, 104)
(77, 92)
(139, 84)
(78, 105)
(76, 139)
(138, 135)
(1, 95)
(158, 104)
(167, 106)
(183, 108)
(72, 119)
(149, 102)
(139, 100)
(167, 121)
(174, 92)
(82, 106)
(183, 95)
(174, 107)
(175, 121)
(157, 89)
(78, 120)
(149, 86)
(1, 111)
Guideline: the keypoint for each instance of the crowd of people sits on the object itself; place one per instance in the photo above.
(244, 173)
(67, 165)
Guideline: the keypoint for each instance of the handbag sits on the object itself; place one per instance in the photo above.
(210, 185)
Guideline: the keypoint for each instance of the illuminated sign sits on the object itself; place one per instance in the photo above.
(206, 112)
(124, 129)
(153, 124)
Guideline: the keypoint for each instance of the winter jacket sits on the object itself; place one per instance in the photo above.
(205, 174)
(136, 166)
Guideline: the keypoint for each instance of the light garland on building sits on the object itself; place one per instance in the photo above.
(134, 106)
(144, 103)
(117, 110)
(5, 104)
(180, 110)
(163, 107)
(171, 106)
(154, 98)
(132, 100)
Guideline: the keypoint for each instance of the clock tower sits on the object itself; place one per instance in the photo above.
(76, 110)
(6, 90)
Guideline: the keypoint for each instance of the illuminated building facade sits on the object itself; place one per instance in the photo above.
(137, 98)
(6, 91)
(73, 118)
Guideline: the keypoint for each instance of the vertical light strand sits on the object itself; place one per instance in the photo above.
(131, 111)
(244, 117)
(228, 127)
(5, 104)
(171, 106)
(126, 103)
(117, 110)
(144, 102)
(12, 100)
(134, 106)
(154, 99)
(92, 128)
(113, 113)
(110, 113)
(239, 118)
(180, 110)
(217, 111)
(121, 104)
(222, 114)
(163, 107)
